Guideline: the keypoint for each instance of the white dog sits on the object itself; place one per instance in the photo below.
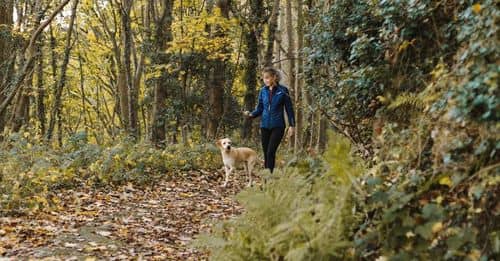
(232, 157)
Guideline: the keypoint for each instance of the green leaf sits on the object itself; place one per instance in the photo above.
(380, 197)
(477, 191)
(433, 212)
(454, 242)
(373, 181)
(495, 242)
(457, 178)
(408, 221)
(425, 230)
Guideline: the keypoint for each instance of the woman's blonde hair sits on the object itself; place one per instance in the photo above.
(273, 71)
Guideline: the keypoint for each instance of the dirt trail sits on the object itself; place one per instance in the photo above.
(153, 223)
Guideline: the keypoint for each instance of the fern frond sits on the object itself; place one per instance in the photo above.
(407, 101)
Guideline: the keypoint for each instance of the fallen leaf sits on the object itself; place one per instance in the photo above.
(445, 181)
(476, 8)
(438, 226)
(70, 245)
(104, 233)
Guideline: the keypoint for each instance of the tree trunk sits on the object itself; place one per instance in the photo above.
(215, 106)
(82, 90)
(279, 40)
(271, 34)
(29, 60)
(322, 135)
(250, 80)
(121, 107)
(6, 21)
(290, 55)
(133, 92)
(20, 116)
(252, 61)
(216, 80)
(300, 92)
(123, 95)
(163, 36)
(55, 114)
(307, 115)
(40, 105)
(21, 108)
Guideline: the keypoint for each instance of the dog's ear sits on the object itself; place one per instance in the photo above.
(218, 143)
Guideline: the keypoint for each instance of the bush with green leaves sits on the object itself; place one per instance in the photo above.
(32, 173)
(363, 51)
(424, 203)
(344, 64)
(297, 214)
(475, 94)
(431, 99)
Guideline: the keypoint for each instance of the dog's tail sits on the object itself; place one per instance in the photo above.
(261, 161)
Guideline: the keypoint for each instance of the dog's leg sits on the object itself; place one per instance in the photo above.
(228, 172)
(249, 171)
(245, 165)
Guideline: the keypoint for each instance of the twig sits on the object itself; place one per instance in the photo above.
(490, 167)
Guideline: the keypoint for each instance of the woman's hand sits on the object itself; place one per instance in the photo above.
(247, 114)
(291, 131)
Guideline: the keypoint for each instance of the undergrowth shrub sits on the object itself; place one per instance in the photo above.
(429, 116)
(31, 172)
(298, 214)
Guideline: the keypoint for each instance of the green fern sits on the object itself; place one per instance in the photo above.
(407, 101)
(404, 107)
(294, 216)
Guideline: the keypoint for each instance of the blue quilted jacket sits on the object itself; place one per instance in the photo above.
(271, 107)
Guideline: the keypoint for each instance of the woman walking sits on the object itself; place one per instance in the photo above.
(274, 99)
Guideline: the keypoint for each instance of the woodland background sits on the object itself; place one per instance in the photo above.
(101, 94)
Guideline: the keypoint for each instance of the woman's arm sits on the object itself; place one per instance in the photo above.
(289, 108)
(260, 107)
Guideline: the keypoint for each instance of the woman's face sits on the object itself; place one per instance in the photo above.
(269, 79)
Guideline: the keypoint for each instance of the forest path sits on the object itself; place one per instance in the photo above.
(152, 223)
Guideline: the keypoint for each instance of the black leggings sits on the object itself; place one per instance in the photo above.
(271, 139)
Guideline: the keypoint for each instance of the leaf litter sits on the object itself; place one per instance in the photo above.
(155, 222)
